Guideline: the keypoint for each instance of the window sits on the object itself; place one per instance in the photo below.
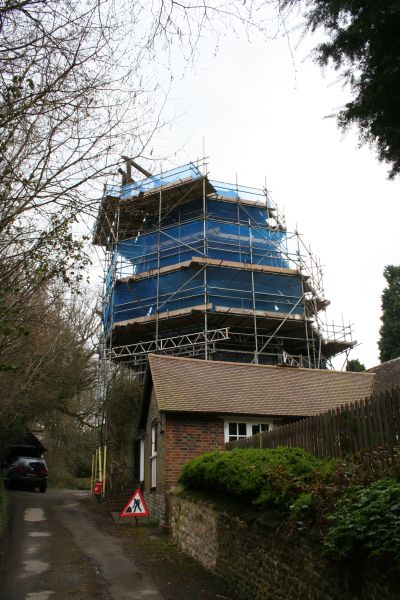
(236, 430)
(142, 451)
(154, 439)
(259, 427)
(153, 458)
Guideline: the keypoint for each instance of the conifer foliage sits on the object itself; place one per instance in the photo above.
(364, 46)
(355, 365)
(389, 343)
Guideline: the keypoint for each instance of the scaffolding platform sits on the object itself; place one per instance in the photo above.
(188, 255)
(127, 213)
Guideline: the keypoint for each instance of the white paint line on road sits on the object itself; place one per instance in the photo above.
(34, 567)
(32, 549)
(45, 595)
(39, 534)
(34, 515)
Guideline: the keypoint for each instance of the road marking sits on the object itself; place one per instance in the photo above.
(39, 534)
(34, 567)
(38, 595)
(34, 515)
(32, 549)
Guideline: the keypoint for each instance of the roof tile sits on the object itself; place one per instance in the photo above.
(190, 385)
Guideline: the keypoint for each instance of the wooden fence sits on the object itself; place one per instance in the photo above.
(367, 424)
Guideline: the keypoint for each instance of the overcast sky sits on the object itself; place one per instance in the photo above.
(261, 109)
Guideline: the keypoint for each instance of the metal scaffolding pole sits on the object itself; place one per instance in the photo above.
(304, 305)
(254, 299)
(205, 269)
(158, 259)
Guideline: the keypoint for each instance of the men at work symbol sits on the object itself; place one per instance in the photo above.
(136, 506)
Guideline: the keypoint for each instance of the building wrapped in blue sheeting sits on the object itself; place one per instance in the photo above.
(203, 268)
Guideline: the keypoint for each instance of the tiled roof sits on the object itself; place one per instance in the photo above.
(189, 385)
(387, 375)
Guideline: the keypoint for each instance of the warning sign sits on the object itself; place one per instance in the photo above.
(136, 507)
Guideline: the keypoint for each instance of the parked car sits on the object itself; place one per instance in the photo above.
(26, 471)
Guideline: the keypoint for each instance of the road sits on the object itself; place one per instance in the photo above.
(56, 552)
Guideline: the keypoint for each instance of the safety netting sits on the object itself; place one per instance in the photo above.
(235, 242)
(216, 227)
(222, 287)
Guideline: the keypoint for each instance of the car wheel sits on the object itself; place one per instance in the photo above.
(42, 488)
(7, 484)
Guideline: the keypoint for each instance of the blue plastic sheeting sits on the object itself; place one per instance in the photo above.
(215, 209)
(232, 212)
(238, 192)
(227, 288)
(154, 182)
(177, 244)
(183, 213)
(241, 243)
(228, 190)
(224, 241)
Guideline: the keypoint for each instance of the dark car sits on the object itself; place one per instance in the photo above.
(26, 471)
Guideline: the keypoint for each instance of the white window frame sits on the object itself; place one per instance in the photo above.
(249, 426)
(141, 459)
(153, 457)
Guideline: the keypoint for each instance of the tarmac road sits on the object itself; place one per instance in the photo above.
(55, 552)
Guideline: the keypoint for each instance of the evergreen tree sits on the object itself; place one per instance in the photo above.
(389, 343)
(355, 365)
(363, 44)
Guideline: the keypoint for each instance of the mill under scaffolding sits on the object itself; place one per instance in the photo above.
(200, 268)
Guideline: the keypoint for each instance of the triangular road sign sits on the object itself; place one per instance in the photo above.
(136, 507)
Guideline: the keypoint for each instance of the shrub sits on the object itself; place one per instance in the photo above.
(304, 507)
(367, 520)
(264, 476)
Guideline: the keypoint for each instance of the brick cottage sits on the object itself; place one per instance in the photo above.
(191, 406)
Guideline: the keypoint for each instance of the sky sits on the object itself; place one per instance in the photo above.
(259, 109)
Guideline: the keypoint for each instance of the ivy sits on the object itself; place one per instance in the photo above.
(366, 520)
(356, 499)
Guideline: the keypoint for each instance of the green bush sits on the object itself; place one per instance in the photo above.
(367, 520)
(304, 507)
(264, 476)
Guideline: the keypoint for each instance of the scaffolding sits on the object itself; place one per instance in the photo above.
(198, 267)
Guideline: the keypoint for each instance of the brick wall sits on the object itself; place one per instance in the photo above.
(259, 562)
(187, 437)
(178, 440)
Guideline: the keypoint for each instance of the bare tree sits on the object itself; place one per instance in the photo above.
(51, 363)
(79, 86)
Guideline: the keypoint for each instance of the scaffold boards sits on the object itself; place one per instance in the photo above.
(135, 507)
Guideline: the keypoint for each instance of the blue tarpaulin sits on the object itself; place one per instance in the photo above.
(228, 231)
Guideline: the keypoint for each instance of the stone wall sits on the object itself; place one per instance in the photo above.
(157, 506)
(258, 561)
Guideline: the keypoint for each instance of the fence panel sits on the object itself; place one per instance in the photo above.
(367, 424)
